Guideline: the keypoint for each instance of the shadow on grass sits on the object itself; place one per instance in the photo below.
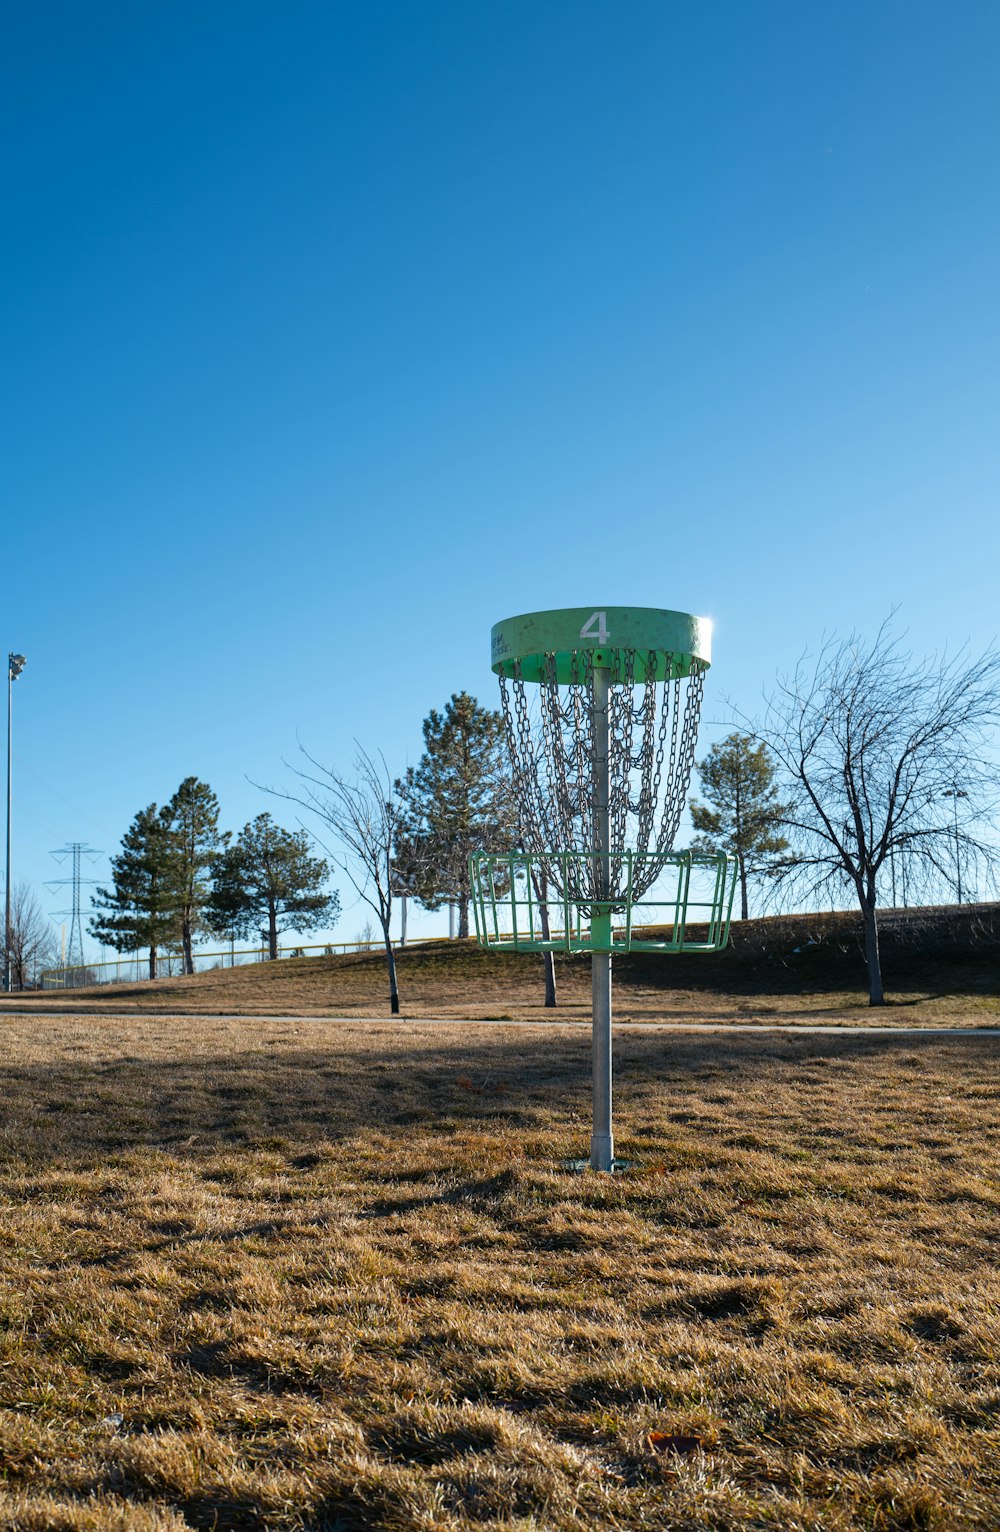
(272, 1091)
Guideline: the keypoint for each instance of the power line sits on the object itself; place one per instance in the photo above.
(76, 850)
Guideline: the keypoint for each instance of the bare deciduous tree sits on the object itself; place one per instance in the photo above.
(360, 814)
(878, 750)
(31, 939)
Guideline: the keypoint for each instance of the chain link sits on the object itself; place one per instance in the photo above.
(653, 731)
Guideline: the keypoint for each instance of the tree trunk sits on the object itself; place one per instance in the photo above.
(548, 958)
(744, 905)
(152, 962)
(188, 964)
(549, 965)
(876, 994)
(463, 917)
(272, 931)
(390, 963)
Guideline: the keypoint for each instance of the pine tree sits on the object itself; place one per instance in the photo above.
(192, 816)
(738, 780)
(268, 877)
(139, 908)
(457, 800)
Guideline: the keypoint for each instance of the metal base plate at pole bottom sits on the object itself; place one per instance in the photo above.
(580, 1167)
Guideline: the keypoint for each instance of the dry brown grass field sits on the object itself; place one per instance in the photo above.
(321, 1276)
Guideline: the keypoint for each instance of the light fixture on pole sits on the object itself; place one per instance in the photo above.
(954, 793)
(15, 664)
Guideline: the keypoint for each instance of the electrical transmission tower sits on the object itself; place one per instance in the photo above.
(76, 850)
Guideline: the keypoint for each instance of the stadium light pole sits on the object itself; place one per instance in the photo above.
(954, 793)
(15, 664)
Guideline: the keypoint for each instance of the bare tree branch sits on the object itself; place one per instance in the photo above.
(360, 813)
(31, 941)
(886, 760)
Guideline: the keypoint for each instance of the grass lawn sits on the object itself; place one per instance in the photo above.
(333, 1277)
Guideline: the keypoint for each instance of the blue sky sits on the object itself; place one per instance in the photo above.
(333, 333)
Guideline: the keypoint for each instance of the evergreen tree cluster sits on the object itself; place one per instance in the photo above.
(178, 876)
(458, 799)
(744, 812)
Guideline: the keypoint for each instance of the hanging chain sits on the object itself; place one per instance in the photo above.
(653, 729)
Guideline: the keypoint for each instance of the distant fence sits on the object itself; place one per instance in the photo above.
(170, 965)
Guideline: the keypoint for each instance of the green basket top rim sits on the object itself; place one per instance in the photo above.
(671, 858)
(664, 644)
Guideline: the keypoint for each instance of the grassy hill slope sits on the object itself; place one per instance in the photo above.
(938, 963)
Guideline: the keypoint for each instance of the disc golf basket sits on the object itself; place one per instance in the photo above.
(601, 769)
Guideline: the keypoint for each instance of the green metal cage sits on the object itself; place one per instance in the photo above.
(515, 903)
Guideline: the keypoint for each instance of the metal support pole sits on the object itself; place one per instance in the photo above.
(958, 848)
(6, 923)
(954, 793)
(15, 664)
(602, 1144)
